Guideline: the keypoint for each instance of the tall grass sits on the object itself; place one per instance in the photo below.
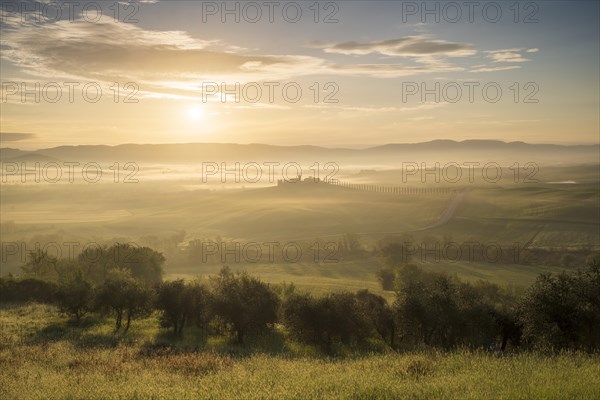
(90, 363)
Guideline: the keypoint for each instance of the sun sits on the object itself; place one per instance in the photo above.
(194, 119)
(195, 112)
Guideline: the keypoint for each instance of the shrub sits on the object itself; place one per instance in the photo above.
(243, 301)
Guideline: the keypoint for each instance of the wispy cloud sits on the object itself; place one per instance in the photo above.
(15, 137)
(115, 52)
(510, 55)
(105, 50)
(494, 69)
(407, 46)
(173, 63)
(373, 110)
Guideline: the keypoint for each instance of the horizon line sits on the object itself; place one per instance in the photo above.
(354, 146)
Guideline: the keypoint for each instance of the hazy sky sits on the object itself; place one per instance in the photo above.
(369, 72)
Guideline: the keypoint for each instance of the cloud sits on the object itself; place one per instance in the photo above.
(372, 110)
(422, 118)
(494, 69)
(15, 137)
(407, 46)
(510, 55)
(108, 50)
(174, 64)
(392, 70)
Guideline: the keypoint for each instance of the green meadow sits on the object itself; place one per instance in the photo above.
(42, 356)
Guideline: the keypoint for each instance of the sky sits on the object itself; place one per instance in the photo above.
(329, 73)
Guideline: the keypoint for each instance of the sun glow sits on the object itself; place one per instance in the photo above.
(195, 112)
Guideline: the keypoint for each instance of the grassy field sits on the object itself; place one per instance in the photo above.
(42, 357)
(316, 278)
(362, 274)
(541, 215)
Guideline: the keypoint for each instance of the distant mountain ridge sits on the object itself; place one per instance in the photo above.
(442, 151)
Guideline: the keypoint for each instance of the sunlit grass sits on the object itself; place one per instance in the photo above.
(87, 363)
